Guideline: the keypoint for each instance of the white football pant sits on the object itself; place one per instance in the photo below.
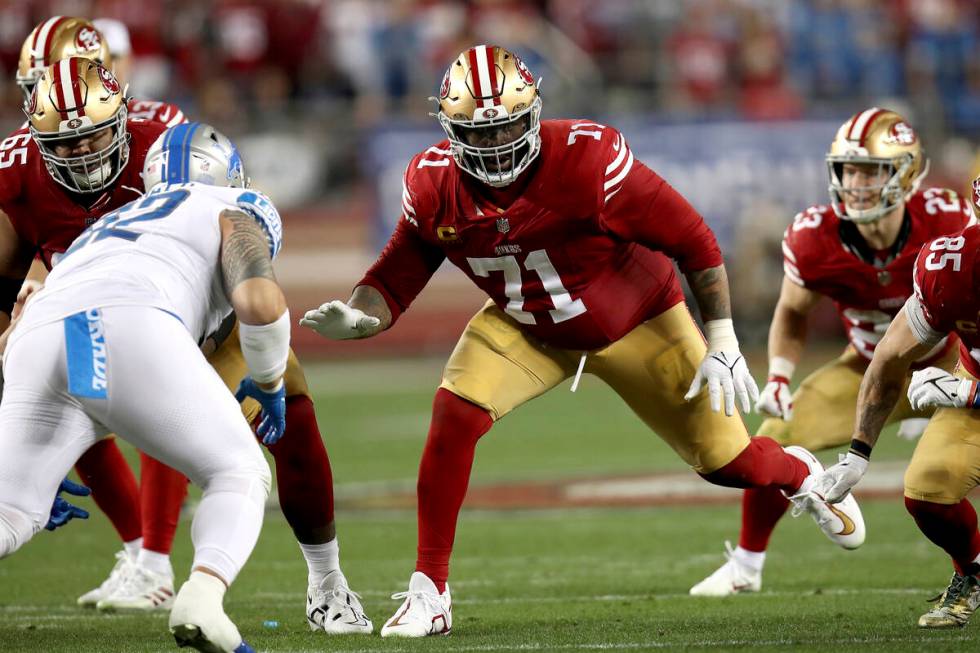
(137, 372)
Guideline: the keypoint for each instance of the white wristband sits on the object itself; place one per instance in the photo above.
(779, 366)
(720, 335)
(266, 348)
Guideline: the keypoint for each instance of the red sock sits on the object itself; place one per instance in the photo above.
(162, 491)
(303, 474)
(444, 475)
(952, 528)
(762, 508)
(761, 464)
(103, 469)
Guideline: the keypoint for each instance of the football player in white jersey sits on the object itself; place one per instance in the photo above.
(111, 344)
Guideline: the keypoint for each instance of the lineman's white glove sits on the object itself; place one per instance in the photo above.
(835, 482)
(775, 399)
(338, 321)
(726, 374)
(934, 387)
(724, 370)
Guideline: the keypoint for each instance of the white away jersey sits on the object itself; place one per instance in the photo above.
(162, 250)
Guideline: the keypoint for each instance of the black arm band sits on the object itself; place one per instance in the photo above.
(861, 448)
(8, 293)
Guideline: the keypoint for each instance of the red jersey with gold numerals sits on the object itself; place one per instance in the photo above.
(44, 213)
(824, 254)
(947, 297)
(579, 258)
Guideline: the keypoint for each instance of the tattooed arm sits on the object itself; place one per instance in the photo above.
(247, 268)
(710, 288)
(254, 293)
(882, 385)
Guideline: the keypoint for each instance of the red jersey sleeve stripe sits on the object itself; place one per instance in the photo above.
(623, 171)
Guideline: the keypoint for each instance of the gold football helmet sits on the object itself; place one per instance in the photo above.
(882, 138)
(490, 109)
(57, 38)
(76, 100)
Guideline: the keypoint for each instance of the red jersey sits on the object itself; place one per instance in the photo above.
(947, 297)
(152, 111)
(45, 214)
(823, 253)
(579, 258)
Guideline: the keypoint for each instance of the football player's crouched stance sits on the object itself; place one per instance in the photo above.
(858, 251)
(946, 464)
(110, 343)
(571, 237)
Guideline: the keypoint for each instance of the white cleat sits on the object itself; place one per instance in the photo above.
(333, 608)
(841, 522)
(142, 590)
(116, 577)
(424, 612)
(199, 621)
(733, 577)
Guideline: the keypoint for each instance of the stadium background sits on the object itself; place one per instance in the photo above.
(734, 102)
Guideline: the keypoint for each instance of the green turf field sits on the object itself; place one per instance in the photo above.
(565, 580)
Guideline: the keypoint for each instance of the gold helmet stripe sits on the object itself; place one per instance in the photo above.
(66, 86)
(41, 47)
(485, 88)
(862, 122)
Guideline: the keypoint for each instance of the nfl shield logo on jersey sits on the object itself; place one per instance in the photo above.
(503, 225)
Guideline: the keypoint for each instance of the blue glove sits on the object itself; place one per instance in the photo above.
(272, 422)
(63, 512)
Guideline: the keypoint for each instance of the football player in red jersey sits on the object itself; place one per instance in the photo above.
(82, 160)
(571, 237)
(145, 517)
(859, 252)
(946, 464)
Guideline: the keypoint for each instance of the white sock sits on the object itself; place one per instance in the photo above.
(321, 559)
(158, 563)
(133, 547)
(754, 560)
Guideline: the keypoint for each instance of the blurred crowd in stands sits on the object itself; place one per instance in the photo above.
(304, 85)
(347, 65)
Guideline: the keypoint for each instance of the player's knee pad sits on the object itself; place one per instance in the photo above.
(16, 528)
(255, 485)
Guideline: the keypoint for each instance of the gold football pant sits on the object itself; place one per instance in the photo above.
(946, 463)
(825, 404)
(229, 363)
(499, 367)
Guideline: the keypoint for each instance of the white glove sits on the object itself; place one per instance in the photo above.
(338, 321)
(933, 387)
(776, 399)
(726, 374)
(835, 482)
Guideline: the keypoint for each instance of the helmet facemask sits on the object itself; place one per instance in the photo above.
(888, 151)
(496, 165)
(92, 172)
(889, 193)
